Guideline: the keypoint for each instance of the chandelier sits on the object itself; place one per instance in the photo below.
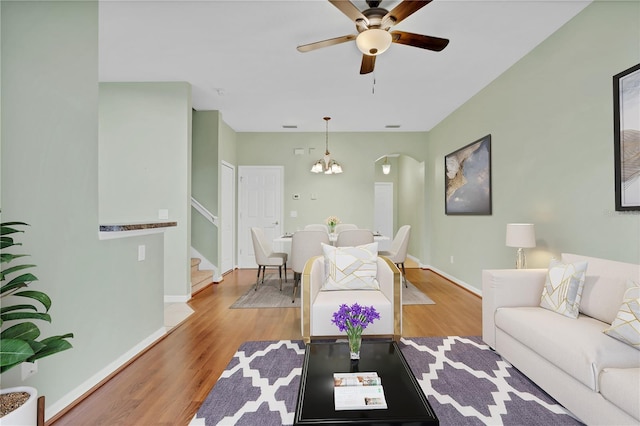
(326, 165)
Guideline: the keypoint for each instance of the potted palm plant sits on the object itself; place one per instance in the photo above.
(19, 342)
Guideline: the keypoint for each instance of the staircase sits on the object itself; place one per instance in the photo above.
(199, 278)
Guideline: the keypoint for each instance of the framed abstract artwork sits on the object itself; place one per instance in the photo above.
(467, 179)
(626, 137)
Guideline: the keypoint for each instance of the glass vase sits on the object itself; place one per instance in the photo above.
(355, 340)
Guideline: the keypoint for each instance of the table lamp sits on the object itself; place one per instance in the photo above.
(521, 235)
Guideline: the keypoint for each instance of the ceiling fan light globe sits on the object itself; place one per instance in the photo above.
(374, 41)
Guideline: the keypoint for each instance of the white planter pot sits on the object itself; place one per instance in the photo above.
(27, 413)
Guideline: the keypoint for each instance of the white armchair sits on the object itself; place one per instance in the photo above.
(318, 306)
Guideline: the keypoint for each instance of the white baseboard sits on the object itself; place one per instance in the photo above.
(461, 283)
(177, 299)
(415, 259)
(72, 396)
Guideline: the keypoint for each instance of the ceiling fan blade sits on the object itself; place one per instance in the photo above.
(368, 62)
(350, 10)
(418, 40)
(403, 10)
(325, 43)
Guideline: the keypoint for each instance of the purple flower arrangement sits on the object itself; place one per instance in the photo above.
(353, 319)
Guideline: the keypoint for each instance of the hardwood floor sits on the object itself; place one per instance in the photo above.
(167, 384)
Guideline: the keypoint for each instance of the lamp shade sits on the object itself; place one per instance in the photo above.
(521, 235)
(373, 41)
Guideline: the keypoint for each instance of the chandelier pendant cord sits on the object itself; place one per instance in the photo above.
(326, 138)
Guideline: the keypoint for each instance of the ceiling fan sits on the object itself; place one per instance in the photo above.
(373, 26)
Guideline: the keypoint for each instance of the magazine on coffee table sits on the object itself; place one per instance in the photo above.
(358, 391)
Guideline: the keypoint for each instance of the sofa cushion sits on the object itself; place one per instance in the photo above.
(604, 285)
(626, 326)
(577, 346)
(563, 287)
(621, 387)
(328, 302)
(351, 268)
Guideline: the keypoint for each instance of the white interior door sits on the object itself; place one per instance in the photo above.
(383, 212)
(227, 217)
(259, 204)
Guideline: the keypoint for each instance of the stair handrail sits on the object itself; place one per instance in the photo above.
(204, 212)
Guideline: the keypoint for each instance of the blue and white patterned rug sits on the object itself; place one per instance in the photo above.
(465, 382)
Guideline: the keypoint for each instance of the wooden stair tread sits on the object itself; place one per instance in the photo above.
(199, 276)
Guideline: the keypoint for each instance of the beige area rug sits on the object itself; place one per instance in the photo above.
(269, 295)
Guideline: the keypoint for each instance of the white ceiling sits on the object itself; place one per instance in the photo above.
(240, 58)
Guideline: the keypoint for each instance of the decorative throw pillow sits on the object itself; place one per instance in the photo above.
(626, 326)
(563, 287)
(350, 268)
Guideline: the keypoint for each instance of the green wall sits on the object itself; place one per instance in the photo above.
(145, 165)
(49, 142)
(411, 204)
(205, 175)
(213, 142)
(550, 117)
(348, 195)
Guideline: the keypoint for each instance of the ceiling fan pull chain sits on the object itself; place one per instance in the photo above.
(373, 87)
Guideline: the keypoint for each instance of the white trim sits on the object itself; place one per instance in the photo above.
(232, 196)
(178, 299)
(463, 284)
(415, 259)
(76, 393)
(204, 212)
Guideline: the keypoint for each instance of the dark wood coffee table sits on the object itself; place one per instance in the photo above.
(406, 403)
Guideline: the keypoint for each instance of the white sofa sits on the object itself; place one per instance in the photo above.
(317, 306)
(591, 374)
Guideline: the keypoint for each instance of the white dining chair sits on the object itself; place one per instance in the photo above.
(305, 245)
(265, 256)
(344, 227)
(354, 237)
(397, 253)
(317, 227)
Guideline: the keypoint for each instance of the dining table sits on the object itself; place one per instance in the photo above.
(283, 242)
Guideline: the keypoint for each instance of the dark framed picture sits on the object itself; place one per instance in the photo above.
(626, 137)
(467, 179)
